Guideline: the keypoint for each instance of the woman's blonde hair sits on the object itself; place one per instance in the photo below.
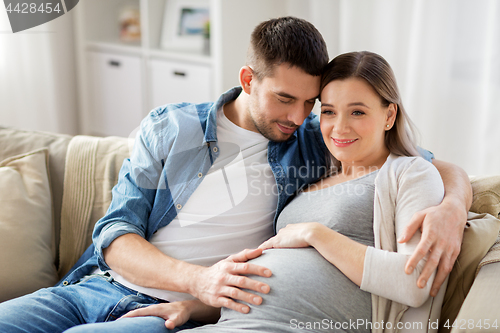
(376, 71)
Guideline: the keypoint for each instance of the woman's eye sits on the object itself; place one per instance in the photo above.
(358, 113)
(326, 112)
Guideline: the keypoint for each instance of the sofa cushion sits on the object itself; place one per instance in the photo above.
(16, 142)
(486, 195)
(480, 234)
(479, 312)
(26, 225)
(92, 168)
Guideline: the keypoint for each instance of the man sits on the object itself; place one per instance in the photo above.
(206, 181)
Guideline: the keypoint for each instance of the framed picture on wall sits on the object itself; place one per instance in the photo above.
(186, 25)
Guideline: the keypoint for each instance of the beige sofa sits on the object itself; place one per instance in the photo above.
(53, 188)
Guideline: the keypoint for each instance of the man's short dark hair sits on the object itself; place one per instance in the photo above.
(288, 40)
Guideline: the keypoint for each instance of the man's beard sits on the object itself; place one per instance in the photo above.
(269, 130)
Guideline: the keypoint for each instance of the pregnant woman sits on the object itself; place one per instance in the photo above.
(344, 271)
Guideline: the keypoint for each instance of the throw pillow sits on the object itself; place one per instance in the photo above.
(479, 235)
(486, 197)
(26, 228)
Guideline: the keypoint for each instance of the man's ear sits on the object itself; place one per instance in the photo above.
(246, 77)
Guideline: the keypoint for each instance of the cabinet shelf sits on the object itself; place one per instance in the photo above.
(196, 58)
(136, 49)
(125, 80)
(115, 47)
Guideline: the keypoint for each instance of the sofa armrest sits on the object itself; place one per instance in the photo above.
(480, 308)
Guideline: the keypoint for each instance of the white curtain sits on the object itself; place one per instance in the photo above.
(38, 76)
(446, 57)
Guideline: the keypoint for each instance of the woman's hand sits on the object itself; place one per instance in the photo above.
(341, 251)
(293, 236)
(176, 313)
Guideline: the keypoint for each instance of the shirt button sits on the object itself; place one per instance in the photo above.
(216, 149)
(200, 175)
(179, 206)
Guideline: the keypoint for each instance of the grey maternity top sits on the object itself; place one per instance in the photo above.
(308, 293)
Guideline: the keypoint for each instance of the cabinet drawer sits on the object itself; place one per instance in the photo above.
(174, 82)
(115, 86)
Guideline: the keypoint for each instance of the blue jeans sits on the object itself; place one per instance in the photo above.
(97, 300)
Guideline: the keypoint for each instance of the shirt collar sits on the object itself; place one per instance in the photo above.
(211, 131)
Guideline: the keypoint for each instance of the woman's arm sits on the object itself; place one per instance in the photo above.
(442, 226)
(377, 271)
(419, 186)
(347, 255)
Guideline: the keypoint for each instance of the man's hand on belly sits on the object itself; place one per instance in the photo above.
(220, 285)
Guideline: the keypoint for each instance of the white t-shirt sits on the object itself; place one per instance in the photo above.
(232, 209)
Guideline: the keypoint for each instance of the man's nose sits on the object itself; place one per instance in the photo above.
(299, 113)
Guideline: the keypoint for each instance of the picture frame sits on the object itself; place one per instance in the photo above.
(185, 24)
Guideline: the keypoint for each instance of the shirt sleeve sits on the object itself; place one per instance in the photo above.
(427, 155)
(419, 187)
(134, 194)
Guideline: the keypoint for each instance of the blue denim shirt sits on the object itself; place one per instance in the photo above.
(175, 147)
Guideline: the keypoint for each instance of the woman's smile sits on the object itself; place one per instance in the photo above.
(343, 142)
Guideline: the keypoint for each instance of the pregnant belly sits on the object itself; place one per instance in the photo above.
(305, 287)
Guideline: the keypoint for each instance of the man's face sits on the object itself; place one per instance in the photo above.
(279, 104)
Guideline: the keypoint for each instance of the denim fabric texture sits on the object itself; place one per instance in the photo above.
(96, 298)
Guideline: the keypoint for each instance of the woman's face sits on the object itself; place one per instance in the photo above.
(354, 121)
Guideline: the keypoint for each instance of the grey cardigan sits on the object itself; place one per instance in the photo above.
(404, 186)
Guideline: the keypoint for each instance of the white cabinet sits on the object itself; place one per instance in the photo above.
(174, 82)
(114, 98)
(115, 83)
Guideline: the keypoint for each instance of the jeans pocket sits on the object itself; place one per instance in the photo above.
(129, 303)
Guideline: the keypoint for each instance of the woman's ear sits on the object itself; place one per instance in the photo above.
(246, 77)
(392, 111)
